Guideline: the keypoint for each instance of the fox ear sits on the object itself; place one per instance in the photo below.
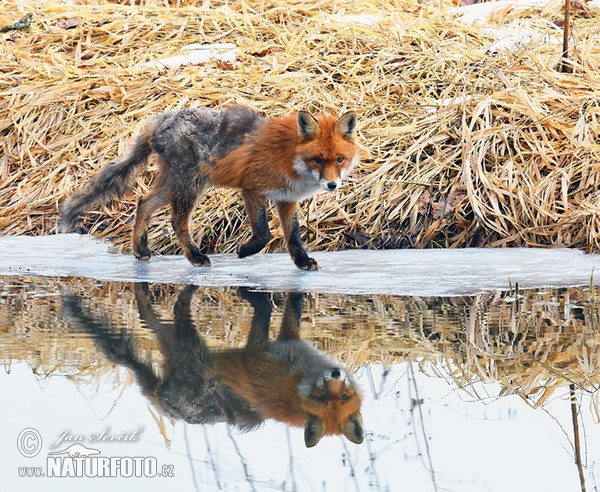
(346, 125)
(314, 430)
(308, 127)
(353, 429)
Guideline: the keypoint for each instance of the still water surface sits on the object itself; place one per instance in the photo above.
(492, 392)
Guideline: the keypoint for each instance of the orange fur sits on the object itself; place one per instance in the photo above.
(285, 160)
(265, 382)
(271, 386)
(265, 160)
(289, 380)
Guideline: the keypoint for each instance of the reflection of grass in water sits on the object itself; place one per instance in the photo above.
(531, 344)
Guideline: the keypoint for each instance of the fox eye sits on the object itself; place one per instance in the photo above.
(322, 397)
(318, 161)
(345, 396)
(339, 160)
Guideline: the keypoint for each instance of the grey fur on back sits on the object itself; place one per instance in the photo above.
(195, 394)
(201, 135)
(190, 137)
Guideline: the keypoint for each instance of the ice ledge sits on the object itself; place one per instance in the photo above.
(419, 272)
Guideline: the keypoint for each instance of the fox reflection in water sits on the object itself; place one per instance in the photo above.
(286, 379)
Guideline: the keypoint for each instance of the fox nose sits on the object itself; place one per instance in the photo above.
(336, 373)
(332, 185)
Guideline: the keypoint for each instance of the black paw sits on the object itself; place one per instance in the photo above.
(142, 253)
(198, 259)
(307, 264)
(248, 249)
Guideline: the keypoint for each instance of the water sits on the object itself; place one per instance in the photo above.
(479, 369)
(472, 392)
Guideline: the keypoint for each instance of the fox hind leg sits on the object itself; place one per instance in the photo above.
(183, 203)
(259, 223)
(158, 196)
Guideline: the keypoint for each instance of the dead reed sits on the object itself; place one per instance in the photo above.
(462, 147)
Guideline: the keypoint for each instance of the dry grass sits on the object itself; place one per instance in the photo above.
(462, 148)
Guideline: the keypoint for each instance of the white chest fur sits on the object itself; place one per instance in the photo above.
(299, 189)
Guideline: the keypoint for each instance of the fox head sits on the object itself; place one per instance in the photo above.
(332, 407)
(326, 150)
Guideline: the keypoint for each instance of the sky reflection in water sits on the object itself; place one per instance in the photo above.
(466, 393)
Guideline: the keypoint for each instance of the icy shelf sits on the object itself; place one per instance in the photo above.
(420, 272)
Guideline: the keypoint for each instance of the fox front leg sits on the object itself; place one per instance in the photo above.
(291, 231)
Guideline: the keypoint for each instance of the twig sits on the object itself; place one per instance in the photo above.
(565, 63)
(24, 23)
(577, 442)
(418, 404)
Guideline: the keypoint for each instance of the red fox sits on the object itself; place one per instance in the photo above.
(284, 159)
(287, 379)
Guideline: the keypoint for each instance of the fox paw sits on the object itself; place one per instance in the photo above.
(142, 253)
(252, 246)
(245, 250)
(198, 259)
(308, 264)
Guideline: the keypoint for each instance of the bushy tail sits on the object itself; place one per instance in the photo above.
(112, 181)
